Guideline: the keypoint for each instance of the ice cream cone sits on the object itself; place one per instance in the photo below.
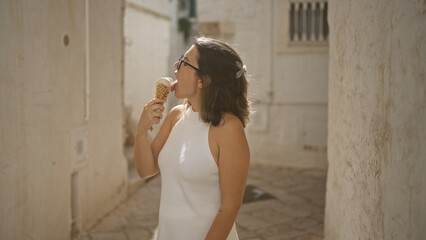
(163, 88)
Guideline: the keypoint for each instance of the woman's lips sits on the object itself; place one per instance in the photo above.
(174, 85)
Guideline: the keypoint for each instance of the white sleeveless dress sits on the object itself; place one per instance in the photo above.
(190, 192)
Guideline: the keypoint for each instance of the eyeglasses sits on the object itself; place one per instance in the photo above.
(185, 63)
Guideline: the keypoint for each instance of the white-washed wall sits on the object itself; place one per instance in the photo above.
(376, 184)
(289, 89)
(147, 49)
(45, 112)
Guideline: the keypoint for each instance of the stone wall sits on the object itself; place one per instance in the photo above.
(376, 185)
(147, 49)
(288, 88)
(61, 121)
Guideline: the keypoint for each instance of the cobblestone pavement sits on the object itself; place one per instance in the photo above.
(296, 212)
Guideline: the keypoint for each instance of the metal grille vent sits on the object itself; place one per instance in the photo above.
(308, 21)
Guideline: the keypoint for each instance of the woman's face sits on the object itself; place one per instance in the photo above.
(188, 85)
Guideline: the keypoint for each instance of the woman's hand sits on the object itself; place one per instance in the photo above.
(152, 114)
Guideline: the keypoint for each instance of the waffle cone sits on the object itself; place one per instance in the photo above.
(163, 88)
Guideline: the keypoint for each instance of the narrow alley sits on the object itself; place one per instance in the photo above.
(336, 128)
(288, 204)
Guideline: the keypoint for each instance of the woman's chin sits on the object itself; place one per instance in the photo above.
(177, 95)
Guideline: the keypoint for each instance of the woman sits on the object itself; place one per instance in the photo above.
(201, 149)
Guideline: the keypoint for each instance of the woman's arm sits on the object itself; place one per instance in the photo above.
(145, 153)
(234, 161)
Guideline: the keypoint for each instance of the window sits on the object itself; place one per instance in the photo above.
(301, 25)
(308, 21)
(192, 9)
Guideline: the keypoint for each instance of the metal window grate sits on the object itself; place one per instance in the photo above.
(308, 21)
(192, 8)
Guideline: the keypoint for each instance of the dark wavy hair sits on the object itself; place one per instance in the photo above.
(224, 91)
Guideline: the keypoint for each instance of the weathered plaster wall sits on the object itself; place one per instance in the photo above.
(288, 89)
(107, 178)
(42, 102)
(376, 185)
(147, 34)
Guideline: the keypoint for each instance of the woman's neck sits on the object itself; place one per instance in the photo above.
(195, 105)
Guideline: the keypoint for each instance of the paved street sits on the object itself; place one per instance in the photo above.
(296, 212)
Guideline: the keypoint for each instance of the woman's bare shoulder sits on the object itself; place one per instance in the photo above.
(176, 113)
(178, 109)
(230, 136)
(230, 120)
(230, 124)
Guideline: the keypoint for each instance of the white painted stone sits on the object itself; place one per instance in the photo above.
(289, 88)
(42, 101)
(160, 7)
(376, 184)
(146, 55)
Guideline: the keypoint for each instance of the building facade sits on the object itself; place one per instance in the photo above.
(284, 45)
(61, 144)
(376, 181)
(147, 51)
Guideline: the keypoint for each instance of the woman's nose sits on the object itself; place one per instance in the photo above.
(176, 64)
